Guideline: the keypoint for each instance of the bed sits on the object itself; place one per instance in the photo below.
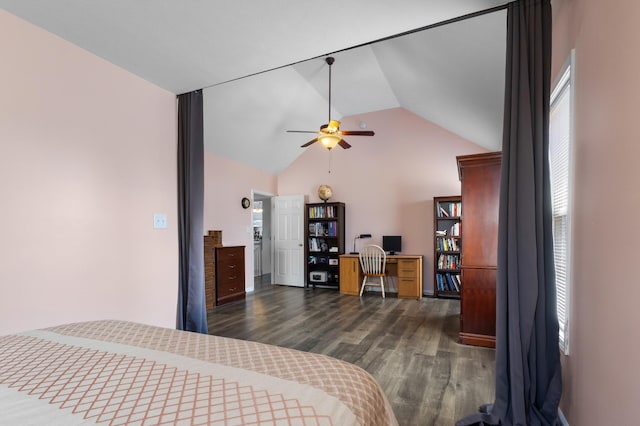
(117, 372)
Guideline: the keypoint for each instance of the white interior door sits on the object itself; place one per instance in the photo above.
(287, 230)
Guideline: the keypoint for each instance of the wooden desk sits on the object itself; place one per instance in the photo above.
(407, 267)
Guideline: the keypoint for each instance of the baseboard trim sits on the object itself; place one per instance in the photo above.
(563, 419)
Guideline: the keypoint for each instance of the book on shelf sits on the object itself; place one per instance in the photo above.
(322, 212)
(447, 244)
(451, 209)
(452, 284)
(323, 229)
(448, 261)
(318, 244)
(448, 282)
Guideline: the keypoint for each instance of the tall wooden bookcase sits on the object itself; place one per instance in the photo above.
(480, 183)
(448, 243)
(324, 235)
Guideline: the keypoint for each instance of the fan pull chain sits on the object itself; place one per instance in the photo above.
(330, 161)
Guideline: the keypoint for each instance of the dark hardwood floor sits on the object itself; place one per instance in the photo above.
(409, 346)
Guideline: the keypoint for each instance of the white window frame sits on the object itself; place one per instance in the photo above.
(565, 86)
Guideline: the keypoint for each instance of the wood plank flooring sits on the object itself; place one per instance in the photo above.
(409, 346)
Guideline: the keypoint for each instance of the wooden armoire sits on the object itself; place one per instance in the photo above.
(480, 184)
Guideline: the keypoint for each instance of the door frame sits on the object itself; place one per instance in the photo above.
(261, 195)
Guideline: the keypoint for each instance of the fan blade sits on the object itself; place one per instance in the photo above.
(302, 131)
(309, 143)
(344, 144)
(358, 132)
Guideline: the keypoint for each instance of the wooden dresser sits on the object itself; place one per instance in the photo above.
(229, 274)
(480, 179)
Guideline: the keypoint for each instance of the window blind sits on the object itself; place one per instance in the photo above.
(560, 162)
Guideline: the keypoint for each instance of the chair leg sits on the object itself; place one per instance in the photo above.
(382, 286)
(364, 282)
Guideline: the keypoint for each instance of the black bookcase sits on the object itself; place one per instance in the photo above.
(448, 244)
(324, 236)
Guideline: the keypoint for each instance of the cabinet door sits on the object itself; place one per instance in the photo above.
(480, 197)
(478, 307)
(350, 276)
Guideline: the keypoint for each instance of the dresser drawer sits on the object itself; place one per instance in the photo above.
(229, 286)
(230, 254)
(228, 268)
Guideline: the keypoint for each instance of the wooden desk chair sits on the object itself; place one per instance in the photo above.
(373, 261)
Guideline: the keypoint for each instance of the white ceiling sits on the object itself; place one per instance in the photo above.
(452, 75)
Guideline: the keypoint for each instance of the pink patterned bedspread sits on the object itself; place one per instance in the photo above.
(116, 373)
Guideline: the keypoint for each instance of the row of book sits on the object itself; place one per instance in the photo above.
(447, 244)
(448, 282)
(450, 209)
(323, 212)
(323, 229)
(448, 261)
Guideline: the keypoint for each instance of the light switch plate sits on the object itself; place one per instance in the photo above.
(159, 221)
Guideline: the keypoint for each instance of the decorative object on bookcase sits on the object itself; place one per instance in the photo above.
(325, 192)
(447, 212)
(324, 229)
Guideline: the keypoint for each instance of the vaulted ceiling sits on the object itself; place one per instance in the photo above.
(261, 63)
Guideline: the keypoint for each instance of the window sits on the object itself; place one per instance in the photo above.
(560, 158)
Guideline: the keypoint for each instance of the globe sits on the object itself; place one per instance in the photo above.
(325, 192)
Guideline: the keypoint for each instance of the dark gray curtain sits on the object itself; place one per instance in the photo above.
(192, 313)
(528, 376)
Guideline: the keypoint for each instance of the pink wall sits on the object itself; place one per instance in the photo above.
(387, 181)
(226, 182)
(87, 156)
(601, 383)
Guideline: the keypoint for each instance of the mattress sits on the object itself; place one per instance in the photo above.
(117, 373)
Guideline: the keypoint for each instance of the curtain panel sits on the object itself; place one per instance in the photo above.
(192, 313)
(528, 372)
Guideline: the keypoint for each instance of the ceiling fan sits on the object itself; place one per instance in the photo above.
(330, 134)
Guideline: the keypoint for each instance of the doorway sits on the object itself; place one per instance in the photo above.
(261, 226)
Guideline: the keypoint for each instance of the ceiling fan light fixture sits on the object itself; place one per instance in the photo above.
(333, 126)
(329, 141)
